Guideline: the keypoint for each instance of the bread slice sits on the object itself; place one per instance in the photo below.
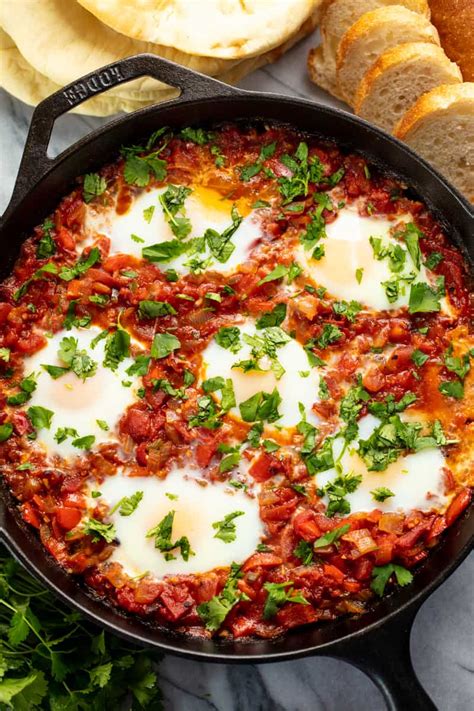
(440, 127)
(371, 36)
(338, 16)
(454, 20)
(398, 78)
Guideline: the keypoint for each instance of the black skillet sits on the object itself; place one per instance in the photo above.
(377, 642)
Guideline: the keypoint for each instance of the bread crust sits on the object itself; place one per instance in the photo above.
(398, 55)
(454, 20)
(441, 98)
(367, 23)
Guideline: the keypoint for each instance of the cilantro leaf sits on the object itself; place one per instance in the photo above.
(331, 537)
(329, 335)
(81, 266)
(162, 535)
(6, 431)
(381, 575)
(226, 529)
(94, 185)
(172, 202)
(261, 406)
(84, 442)
(272, 318)
(278, 273)
(304, 551)
(278, 595)
(127, 504)
(419, 358)
(197, 135)
(98, 529)
(46, 246)
(452, 388)
(165, 251)
(229, 337)
(155, 309)
(40, 417)
(382, 493)
(163, 345)
(423, 298)
(117, 348)
(214, 612)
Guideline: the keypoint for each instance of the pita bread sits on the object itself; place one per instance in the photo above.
(229, 29)
(63, 42)
(246, 66)
(22, 81)
(31, 87)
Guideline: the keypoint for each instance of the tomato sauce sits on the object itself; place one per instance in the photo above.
(154, 433)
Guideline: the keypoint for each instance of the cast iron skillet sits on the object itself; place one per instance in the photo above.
(377, 642)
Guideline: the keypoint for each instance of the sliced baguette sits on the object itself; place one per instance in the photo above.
(398, 78)
(338, 16)
(371, 36)
(440, 127)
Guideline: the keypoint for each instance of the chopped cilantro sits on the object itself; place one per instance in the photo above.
(433, 260)
(98, 529)
(117, 348)
(304, 551)
(381, 493)
(155, 309)
(163, 345)
(219, 244)
(381, 575)
(278, 595)
(423, 298)
(40, 417)
(214, 612)
(84, 442)
(226, 529)
(197, 135)
(5, 431)
(46, 246)
(272, 318)
(452, 388)
(162, 534)
(127, 504)
(261, 406)
(419, 358)
(349, 310)
(81, 266)
(229, 337)
(165, 252)
(94, 185)
(172, 202)
(329, 335)
(27, 387)
(331, 537)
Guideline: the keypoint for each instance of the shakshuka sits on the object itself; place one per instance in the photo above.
(236, 381)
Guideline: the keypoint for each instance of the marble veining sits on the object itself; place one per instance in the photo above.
(443, 634)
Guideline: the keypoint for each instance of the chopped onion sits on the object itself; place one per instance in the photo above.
(362, 540)
(391, 523)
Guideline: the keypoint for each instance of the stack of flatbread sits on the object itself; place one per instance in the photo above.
(45, 44)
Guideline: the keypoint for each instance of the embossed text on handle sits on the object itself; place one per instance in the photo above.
(97, 83)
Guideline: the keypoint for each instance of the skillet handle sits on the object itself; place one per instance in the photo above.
(384, 656)
(35, 162)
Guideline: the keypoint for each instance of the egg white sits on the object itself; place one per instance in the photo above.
(347, 249)
(198, 505)
(293, 387)
(204, 207)
(417, 480)
(76, 403)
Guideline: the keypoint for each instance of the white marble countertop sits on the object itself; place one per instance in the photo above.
(443, 634)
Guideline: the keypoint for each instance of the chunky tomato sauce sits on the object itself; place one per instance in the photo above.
(374, 351)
